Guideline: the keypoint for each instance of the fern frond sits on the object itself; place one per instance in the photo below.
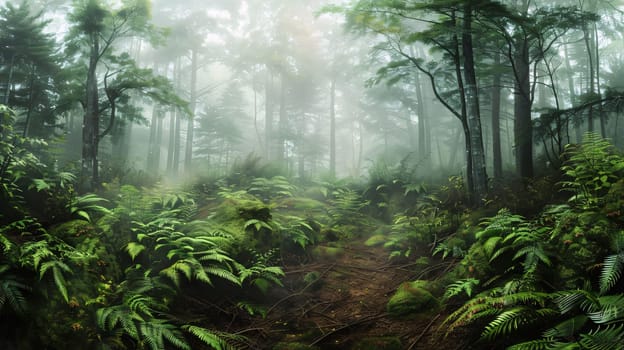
(513, 319)
(134, 249)
(11, 293)
(567, 329)
(222, 273)
(539, 344)
(610, 308)
(608, 338)
(216, 340)
(464, 285)
(611, 271)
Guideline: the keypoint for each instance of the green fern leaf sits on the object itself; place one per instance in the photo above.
(568, 328)
(609, 338)
(611, 271)
(222, 273)
(59, 281)
(134, 249)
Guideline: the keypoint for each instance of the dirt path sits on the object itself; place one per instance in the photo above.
(339, 300)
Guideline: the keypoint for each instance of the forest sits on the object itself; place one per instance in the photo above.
(311, 174)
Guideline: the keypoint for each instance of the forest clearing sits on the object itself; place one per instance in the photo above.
(307, 175)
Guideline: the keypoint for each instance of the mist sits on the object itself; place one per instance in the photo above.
(312, 174)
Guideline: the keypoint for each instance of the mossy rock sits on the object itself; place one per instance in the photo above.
(412, 298)
(293, 346)
(376, 240)
(325, 252)
(245, 207)
(378, 343)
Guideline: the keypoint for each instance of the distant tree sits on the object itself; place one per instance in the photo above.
(29, 67)
(95, 32)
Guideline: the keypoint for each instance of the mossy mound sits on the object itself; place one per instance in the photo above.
(378, 343)
(325, 252)
(376, 240)
(412, 298)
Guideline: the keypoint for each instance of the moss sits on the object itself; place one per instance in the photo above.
(375, 240)
(378, 343)
(324, 252)
(412, 298)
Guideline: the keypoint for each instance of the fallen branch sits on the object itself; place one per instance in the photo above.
(422, 334)
(363, 320)
(301, 291)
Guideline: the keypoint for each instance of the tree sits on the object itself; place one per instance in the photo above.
(445, 26)
(28, 66)
(94, 33)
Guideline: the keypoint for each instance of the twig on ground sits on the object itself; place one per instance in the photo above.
(362, 320)
(422, 334)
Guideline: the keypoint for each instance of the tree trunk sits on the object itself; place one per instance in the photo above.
(463, 115)
(190, 126)
(523, 131)
(332, 128)
(422, 123)
(281, 156)
(151, 144)
(497, 157)
(90, 128)
(590, 79)
(268, 115)
(472, 108)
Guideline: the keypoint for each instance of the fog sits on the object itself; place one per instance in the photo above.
(301, 174)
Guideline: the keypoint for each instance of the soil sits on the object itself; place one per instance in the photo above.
(338, 301)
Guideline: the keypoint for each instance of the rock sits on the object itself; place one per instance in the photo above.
(412, 298)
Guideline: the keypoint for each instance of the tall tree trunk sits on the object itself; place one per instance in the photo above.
(571, 91)
(497, 157)
(472, 108)
(590, 79)
(464, 113)
(603, 119)
(151, 144)
(190, 125)
(422, 123)
(523, 131)
(282, 124)
(90, 128)
(332, 128)
(268, 115)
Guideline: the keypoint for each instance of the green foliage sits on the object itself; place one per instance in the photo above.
(215, 339)
(84, 206)
(275, 187)
(346, 206)
(12, 291)
(593, 167)
(466, 285)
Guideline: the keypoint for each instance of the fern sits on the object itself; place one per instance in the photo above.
(611, 271)
(514, 319)
(608, 338)
(84, 206)
(216, 340)
(11, 291)
(465, 285)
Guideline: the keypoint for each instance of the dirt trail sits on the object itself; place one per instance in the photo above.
(336, 301)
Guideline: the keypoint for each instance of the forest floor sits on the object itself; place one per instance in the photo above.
(343, 302)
